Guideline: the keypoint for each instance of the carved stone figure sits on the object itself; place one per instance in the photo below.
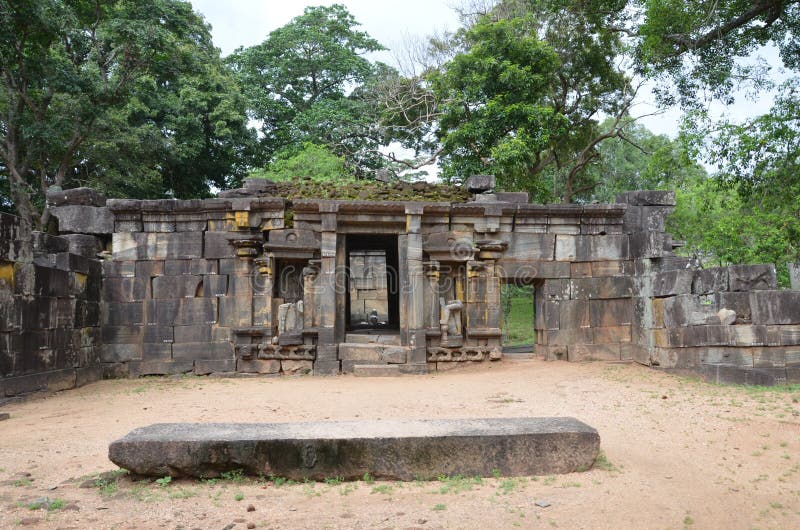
(451, 319)
(290, 319)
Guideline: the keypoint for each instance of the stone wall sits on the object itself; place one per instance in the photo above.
(253, 283)
(49, 312)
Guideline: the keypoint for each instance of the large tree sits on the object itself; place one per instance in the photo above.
(302, 83)
(87, 88)
(525, 98)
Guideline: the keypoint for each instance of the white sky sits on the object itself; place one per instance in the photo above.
(247, 22)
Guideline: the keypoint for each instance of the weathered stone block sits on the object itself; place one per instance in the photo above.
(297, 367)
(118, 353)
(688, 310)
(574, 314)
(182, 312)
(75, 196)
(783, 335)
(612, 268)
(157, 334)
(184, 286)
(149, 268)
(524, 246)
(609, 313)
(608, 287)
(580, 270)
(112, 269)
(206, 366)
(121, 334)
(258, 366)
(241, 286)
(752, 277)
(84, 219)
(744, 335)
(739, 302)
(235, 312)
(84, 245)
(236, 267)
(176, 267)
(612, 334)
(709, 281)
(156, 351)
(591, 248)
(157, 246)
(593, 352)
(141, 368)
(480, 183)
(646, 244)
(556, 289)
(202, 350)
(201, 333)
(775, 307)
(389, 449)
(567, 337)
(124, 289)
(121, 314)
(670, 283)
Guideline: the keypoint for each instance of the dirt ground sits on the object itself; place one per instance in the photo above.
(679, 453)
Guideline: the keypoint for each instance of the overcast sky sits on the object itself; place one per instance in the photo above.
(247, 22)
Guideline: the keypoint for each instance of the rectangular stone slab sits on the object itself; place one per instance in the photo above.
(387, 449)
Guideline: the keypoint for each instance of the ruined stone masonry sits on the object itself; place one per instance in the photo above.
(253, 283)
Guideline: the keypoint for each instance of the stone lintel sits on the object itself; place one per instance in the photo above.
(386, 449)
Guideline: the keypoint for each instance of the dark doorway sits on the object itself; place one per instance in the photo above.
(373, 294)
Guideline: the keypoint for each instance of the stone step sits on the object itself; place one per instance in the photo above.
(372, 353)
(386, 449)
(392, 339)
(376, 370)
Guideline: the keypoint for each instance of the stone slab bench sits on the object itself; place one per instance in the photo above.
(386, 449)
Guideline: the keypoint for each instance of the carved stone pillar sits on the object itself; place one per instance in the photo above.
(327, 361)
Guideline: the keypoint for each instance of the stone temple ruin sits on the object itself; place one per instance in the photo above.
(250, 282)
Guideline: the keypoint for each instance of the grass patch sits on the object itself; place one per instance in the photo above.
(280, 481)
(507, 485)
(602, 462)
(383, 489)
(439, 507)
(517, 315)
(457, 483)
(49, 504)
(236, 476)
(239, 496)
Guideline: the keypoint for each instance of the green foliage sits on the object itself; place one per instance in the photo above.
(164, 481)
(129, 96)
(517, 315)
(312, 161)
(698, 45)
(521, 101)
(457, 483)
(721, 228)
(236, 476)
(300, 83)
(641, 160)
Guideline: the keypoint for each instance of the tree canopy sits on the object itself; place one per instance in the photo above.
(126, 95)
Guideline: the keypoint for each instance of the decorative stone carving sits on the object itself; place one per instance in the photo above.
(451, 322)
(463, 354)
(290, 320)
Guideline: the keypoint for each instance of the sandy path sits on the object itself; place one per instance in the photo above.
(685, 453)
